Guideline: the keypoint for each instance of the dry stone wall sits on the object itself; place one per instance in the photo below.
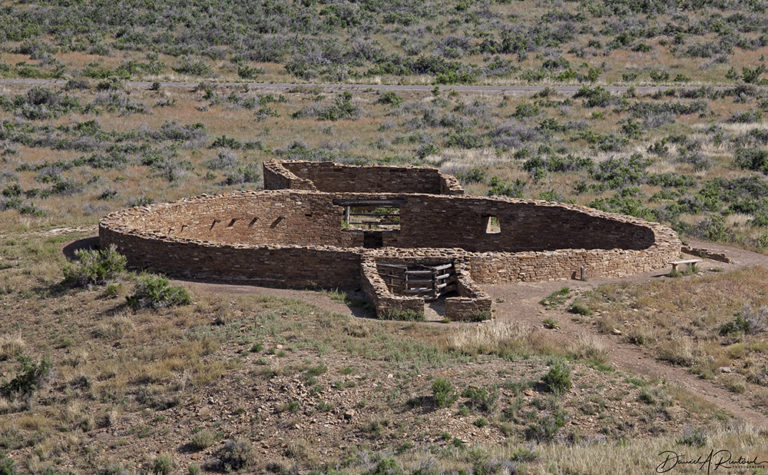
(430, 225)
(295, 238)
(332, 177)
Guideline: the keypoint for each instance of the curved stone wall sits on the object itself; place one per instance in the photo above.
(296, 238)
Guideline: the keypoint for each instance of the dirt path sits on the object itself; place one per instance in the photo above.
(470, 89)
(519, 302)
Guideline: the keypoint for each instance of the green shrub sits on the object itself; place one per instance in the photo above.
(693, 437)
(155, 292)
(501, 186)
(28, 379)
(390, 97)
(580, 308)
(443, 393)
(202, 440)
(480, 316)
(737, 325)
(558, 379)
(551, 324)
(163, 465)
(480, 398)
(545, 429)
(237, 454)
(385, 466)
(7, 466)
(557, 297)
(95, 266)
(403, 315)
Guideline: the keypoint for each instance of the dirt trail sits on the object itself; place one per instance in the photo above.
(519, 302)
(469, 89)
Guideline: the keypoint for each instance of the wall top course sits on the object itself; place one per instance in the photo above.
(139, 221)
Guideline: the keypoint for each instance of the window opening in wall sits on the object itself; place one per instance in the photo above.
(214, 222)
(276, 222)
(492, 225)
(371, 216)
(253, 221)
(232, 222)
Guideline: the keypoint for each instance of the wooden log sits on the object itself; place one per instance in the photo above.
(418, 272)
(442, 267)
(420, 281)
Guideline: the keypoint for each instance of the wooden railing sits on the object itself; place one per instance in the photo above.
(430, 282)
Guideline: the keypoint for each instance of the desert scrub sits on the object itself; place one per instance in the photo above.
(550, 324)
(558, 379)
(29, 378)
(202, 440)
(7, 465)
(163, 465)
(237, 454)
(580, 308)
(154, 291)
(545, 429)
(94, 266)
(403, 315)
(443, 393)
(480, 398)
(557, 297)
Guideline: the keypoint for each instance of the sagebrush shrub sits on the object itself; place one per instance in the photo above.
(237, 454)
(154, 291)
(95, 266)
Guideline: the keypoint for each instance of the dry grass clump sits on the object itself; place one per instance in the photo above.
(505, 338)
(640, 456)
(11, 346)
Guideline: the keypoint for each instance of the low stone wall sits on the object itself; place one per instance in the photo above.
(277, 177)
(706, 254)
(377, 291)
(274, 266)
(472, 304)
(337, 178)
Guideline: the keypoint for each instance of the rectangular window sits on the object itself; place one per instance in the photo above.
(492, 224)
(371, 217)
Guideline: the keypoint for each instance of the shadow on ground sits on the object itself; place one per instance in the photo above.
(74, 246)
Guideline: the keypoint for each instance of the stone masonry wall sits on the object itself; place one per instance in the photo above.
(277, 177)
(333, 177)
(471, 303)
(378, 292)
(297, 239)
(274, 266)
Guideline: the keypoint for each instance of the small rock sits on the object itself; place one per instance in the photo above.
(616, 331)
(348, 415)
(725, 369)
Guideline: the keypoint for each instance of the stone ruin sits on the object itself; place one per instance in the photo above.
(404, 235)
